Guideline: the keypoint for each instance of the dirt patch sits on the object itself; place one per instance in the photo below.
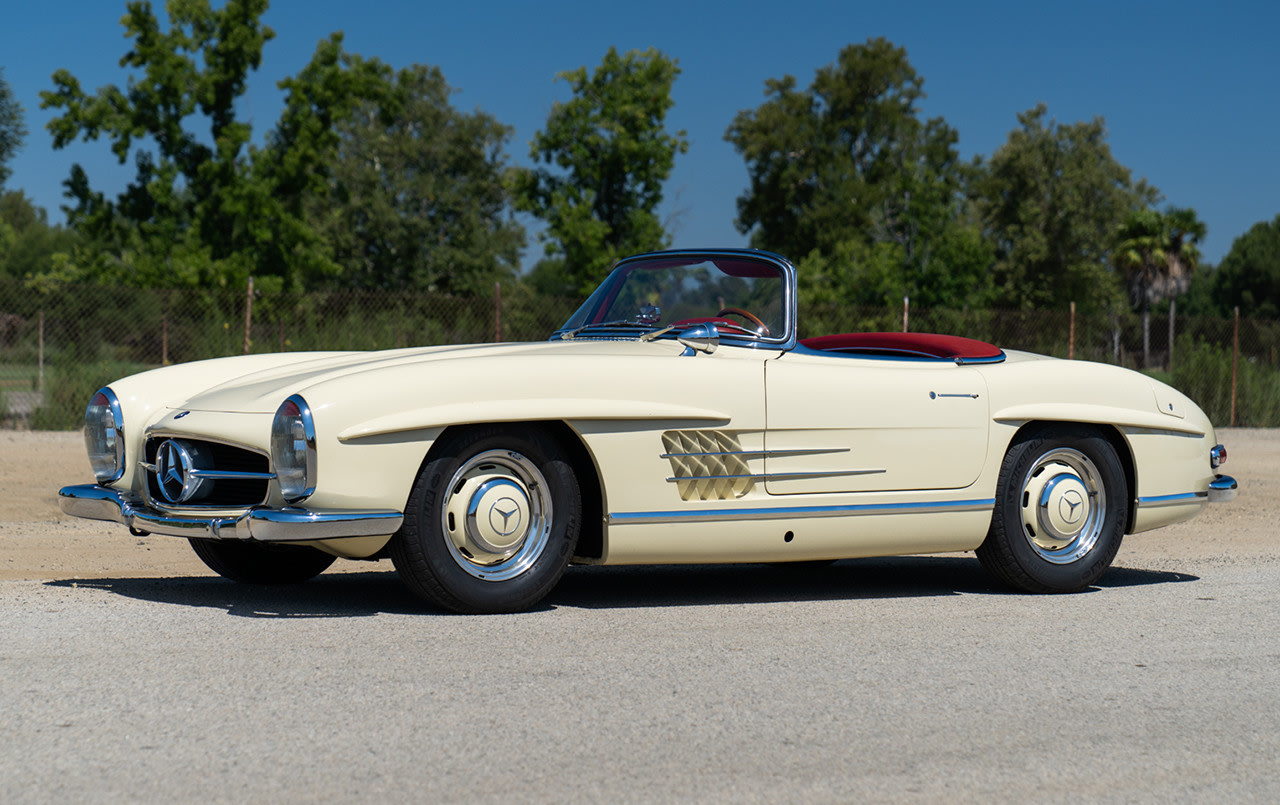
(37, 541)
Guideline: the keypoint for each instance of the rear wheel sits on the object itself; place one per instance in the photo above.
(492, 520)
(1061, 507)
(256, 563)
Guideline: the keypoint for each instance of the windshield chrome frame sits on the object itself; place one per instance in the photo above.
(787, 340)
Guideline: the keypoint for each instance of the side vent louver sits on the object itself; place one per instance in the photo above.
(707, 464)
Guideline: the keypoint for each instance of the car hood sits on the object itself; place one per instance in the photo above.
(261, 390)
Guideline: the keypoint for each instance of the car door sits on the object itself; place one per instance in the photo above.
(847, 423)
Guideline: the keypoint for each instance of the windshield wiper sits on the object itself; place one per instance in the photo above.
(652, 334)
(568, 336)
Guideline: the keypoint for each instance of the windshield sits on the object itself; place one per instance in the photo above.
(740, 295)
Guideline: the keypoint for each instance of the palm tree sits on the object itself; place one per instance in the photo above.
(1157, 253)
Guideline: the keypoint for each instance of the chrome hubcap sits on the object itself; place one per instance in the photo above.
(497, 515)
(1064, 506)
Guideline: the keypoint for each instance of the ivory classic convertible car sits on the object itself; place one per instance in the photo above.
(675, 418)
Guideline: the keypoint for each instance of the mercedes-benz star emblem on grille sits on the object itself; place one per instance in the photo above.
(173, 465)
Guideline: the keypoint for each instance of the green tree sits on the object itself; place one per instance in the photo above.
(293, 174)
(30, 249)
(182, 219)
(1249, 276)
(612, 154)
(417, 198)
(1157, 252)
(846, 169)
(12, 128)
(1052, 198)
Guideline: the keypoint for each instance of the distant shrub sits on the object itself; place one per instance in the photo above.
(1203, 372)
(69, 387)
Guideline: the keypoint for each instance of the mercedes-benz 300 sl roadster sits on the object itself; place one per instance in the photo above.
(675, 418)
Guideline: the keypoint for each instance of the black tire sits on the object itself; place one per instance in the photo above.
(1062, 503)
(256, 563)
(492, 521)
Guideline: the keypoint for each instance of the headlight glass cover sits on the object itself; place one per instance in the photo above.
(293, 449)
(104, 436)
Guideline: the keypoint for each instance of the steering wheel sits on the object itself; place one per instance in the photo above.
(751, 317)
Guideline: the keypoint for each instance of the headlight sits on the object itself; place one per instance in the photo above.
(293, 449)
(104, 436)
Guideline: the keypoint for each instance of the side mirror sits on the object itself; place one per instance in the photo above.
(699, 338)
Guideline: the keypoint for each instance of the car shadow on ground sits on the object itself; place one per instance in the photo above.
(364, 594)
(850, 579)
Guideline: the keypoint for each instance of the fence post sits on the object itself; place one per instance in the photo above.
(40, 378)
(1235, 363)
(497, 312)
(1173, 307)
(906, 312)
(164, 339)
(1071, 337)
(248, 315)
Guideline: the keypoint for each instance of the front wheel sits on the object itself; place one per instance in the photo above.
(492, 521)
(1061, 507)
(256, 563)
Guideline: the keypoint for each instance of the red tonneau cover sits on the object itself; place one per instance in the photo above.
(918, 344)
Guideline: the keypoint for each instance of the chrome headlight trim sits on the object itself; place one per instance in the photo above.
(293, 449)
(104, 435)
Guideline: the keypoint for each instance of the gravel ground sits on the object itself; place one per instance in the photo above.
(129, 673)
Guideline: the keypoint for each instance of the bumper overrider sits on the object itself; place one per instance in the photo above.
(1222, 489)
(260, 523)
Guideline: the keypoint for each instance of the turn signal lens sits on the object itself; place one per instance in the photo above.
(104, 436)
(1217, 456)
(293, 449)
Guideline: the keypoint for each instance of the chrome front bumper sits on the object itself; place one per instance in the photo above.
(261, 523)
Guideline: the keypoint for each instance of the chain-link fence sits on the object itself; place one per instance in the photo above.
(55, 349)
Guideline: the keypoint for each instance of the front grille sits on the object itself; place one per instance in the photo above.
(220, 493)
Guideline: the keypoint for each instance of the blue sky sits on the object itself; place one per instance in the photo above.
(1190, 91)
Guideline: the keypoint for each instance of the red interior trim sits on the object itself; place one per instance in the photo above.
(930, 344)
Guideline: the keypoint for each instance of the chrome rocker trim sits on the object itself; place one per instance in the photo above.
(790, 512)
(261, 523)
(1221, 490)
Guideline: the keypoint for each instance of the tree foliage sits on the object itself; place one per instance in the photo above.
(12, 128)
(182, 219)
(29, 246)
(1249, 275)
(1157, 253)
(417, 198)
(1052, 198)
(847, 178)
(369, 179)
(612, 154)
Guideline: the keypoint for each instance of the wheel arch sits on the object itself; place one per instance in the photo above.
(1113, 436)
(591, 534)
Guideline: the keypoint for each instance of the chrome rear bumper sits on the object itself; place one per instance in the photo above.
(1222, 488)
(260, 523)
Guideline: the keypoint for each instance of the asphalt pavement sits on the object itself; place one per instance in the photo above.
(909, 679)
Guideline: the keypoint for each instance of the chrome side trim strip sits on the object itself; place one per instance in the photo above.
(776, 476)
(797, 512)
(261, 523)
(760, 453)
(1156, 501)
